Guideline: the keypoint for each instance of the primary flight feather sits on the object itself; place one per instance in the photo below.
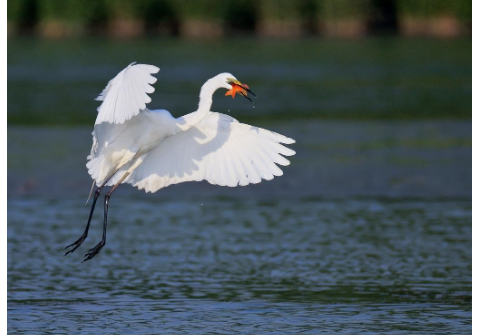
(150, 149)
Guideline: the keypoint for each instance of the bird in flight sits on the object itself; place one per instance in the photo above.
(150, 149)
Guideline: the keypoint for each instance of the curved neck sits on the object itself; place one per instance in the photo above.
(205, 101)
(205, 96)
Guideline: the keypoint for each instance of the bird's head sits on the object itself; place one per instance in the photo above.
(230, 83)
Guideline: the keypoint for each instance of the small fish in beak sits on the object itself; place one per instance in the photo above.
(240, 88)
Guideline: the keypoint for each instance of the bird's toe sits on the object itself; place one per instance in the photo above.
(93, 251)
(75, 245)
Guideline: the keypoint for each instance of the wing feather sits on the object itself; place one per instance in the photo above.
(239, 165)
(219, 150)
(126, 94)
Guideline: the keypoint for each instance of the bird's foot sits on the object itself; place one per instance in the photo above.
(76, 244)
(94, 251)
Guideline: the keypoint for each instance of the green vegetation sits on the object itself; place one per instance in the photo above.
(280, 10)
(435, 8)
(344, 9)
(280, 18)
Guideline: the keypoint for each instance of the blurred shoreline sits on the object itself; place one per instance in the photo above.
(209, 19)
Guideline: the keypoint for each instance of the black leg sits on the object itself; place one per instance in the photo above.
(82, 238)
(95, 250)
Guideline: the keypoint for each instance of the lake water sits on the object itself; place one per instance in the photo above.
(55, 82)
(368, 231)
(222, 266)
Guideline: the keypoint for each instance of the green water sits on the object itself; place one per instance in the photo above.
(54, 82)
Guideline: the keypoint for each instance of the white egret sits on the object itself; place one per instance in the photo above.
(150, 149)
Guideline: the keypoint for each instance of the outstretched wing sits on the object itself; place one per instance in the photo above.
(126, 94)
(220, 150)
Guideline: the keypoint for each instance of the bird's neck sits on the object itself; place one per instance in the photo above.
(205, 102)
(205, 96)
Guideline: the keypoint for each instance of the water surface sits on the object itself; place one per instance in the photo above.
(284, 266)
(369, 230)
(55, 82)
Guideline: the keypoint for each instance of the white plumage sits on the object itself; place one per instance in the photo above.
(200, 146)
(151, 149)
(126, 94)
(220, 150)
